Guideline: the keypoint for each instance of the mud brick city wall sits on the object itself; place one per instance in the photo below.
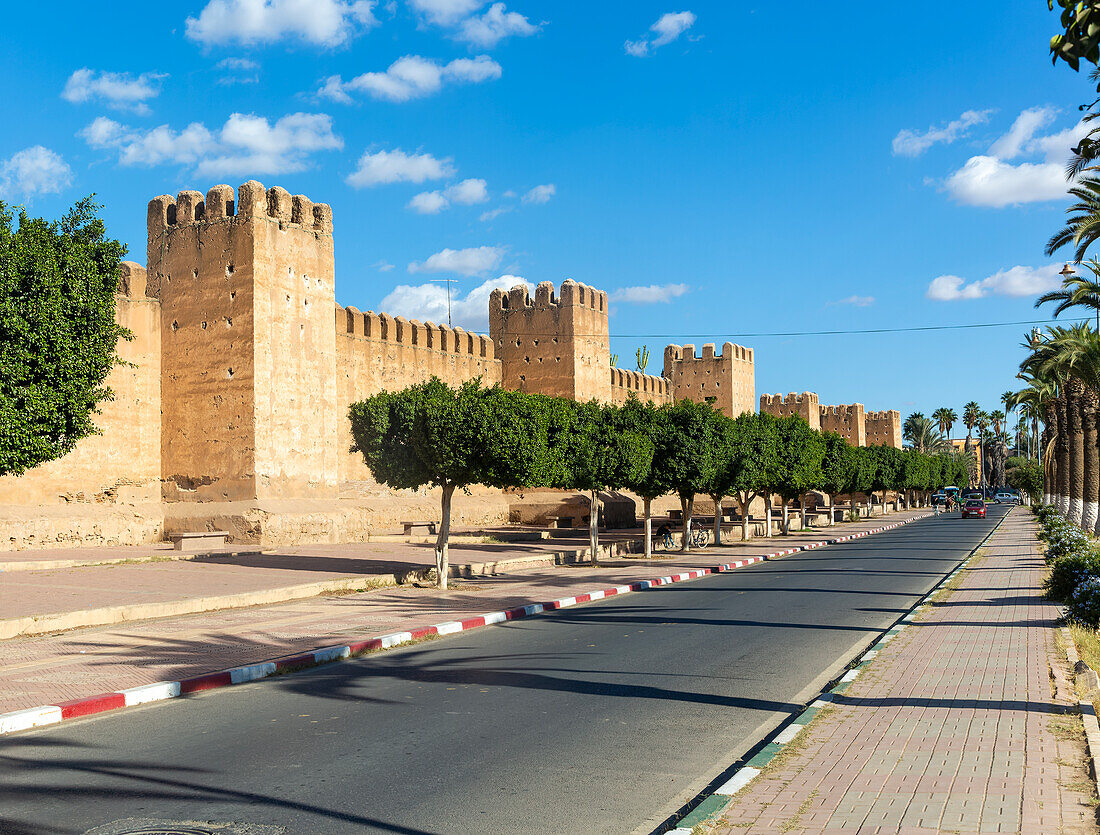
(849, 422)
(729, 377)
(121, 464)
(884, 428)
(248, 365)
(551, 345)
(378, 352)
(803, 405)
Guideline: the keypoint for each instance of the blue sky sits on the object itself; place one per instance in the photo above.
(720, 169)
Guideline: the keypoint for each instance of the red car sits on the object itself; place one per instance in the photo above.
(973, 507)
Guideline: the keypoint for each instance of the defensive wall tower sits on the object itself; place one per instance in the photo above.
(248, 371)
(849, 422)
(884, 428)
(729, 377)
(551, 345)
(803, 405)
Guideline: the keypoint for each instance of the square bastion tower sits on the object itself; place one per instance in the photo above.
(550, 345)
(728, 377)
(248, 356)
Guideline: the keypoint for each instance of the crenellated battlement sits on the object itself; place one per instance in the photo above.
(792, 400)
(643, 386)
(572, 294)
(885, 414)
(132, 280)
(847, 420)
(412, 333)
(686, 353)
(884, 427)
(252, 201)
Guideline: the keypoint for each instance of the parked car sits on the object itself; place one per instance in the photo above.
(1004, 497)
(938, 498)
(973, 508)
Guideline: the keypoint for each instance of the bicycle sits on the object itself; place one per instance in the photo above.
(700, 537)
(665, 541)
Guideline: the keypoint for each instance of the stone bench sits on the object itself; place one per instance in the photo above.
(409, 526)
(560, 521)
(199, 540)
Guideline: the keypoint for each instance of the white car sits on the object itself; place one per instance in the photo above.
(1005, 497)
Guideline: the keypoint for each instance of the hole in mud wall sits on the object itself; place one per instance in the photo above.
(229, 268)
(204, 325)
(229, 373)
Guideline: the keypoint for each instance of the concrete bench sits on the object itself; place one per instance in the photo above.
(409, 526)
(199, 540)
(560, 521)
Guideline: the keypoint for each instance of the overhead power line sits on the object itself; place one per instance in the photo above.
(842, 332)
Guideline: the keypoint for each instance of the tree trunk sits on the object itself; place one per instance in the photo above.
(594, 526)
(717, 519)
(1076, 440)
(647, 509)
(686, 505)
(786, 518)
(805, 524)
(1089, 508)
(744, 504)
(1063, 457)
(767, 514)
(442, 558)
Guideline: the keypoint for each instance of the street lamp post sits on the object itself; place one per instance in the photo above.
(447, 281)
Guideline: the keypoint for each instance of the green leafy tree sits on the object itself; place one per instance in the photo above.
(799, 451)
(839, 465)
(722, 482)
(752, 463)
(651, 482)
(57, 332)
(915, 472)
(1025, 475)
(599, 453)
(686, 455)
(433, 435)
(887, 470)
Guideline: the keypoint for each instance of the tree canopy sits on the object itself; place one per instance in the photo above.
(57, 332)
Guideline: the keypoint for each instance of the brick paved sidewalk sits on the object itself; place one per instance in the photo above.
(85, 662)
(952, 728)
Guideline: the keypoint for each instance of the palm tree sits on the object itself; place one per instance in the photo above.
(922, 436)
(1083, 227)
(983, 425)
(945, 418)
(1077, 291)
(970, 419)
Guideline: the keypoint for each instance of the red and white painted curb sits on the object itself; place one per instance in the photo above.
(20, 720)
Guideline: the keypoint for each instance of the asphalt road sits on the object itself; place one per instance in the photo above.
(602, 718)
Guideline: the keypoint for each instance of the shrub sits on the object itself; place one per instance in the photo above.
(1066, 541)
(1084, 606)
(1067, 573)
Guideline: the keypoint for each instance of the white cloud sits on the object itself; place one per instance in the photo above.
(493, 214)
(909, 143)
(494, 26)
(668, 28)
(540, 194)
(650, 294)
(383, 167)
(428, 203)
(318, 22)
(118, 90)
(382, 266)
(1023, 129)
(990, 180)
(411, 77)
(428, 302)
(1015, 282)
(446, 12)
(468, 192)
(471, 261)
(34, 170)
(245, 144)
(238, 71)
(855, 301)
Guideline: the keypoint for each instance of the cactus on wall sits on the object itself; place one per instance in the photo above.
(642, 355)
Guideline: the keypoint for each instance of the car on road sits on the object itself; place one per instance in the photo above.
(1004, 497)
(938, 498)
(973, 508)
